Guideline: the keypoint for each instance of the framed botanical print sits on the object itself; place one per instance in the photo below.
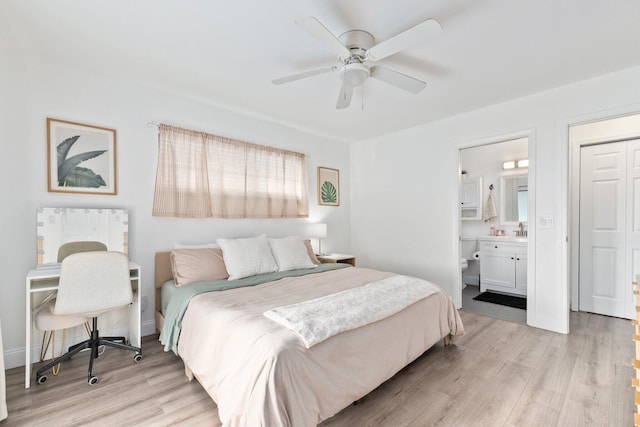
(81, 158)
(328, 186)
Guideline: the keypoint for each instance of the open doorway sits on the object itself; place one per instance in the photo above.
(493, 235)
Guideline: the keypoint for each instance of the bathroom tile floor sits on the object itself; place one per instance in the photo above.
(497, 311)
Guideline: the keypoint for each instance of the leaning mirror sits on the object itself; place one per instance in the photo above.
(56, 226)
(514, 195)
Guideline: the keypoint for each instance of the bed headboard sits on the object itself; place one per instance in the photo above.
(163, 268)
(163, 273)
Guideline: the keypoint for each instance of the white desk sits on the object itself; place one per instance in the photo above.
(46, 281)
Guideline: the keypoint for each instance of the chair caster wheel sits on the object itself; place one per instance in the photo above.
(93, 380)
(137, 357)
(42, 379)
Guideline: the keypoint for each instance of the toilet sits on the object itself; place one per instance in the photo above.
(468, 246)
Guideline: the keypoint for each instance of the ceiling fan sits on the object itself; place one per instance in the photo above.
(356, 48)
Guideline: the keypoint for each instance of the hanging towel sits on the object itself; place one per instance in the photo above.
(490, 212)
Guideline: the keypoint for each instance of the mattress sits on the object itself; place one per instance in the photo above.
(260, 373)
(167, 290)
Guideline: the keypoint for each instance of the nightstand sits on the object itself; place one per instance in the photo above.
(337, 258)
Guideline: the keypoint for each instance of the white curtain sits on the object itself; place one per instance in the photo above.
(200, 175)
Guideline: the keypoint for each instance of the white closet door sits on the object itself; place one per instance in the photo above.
(633, 224)
(609, 227)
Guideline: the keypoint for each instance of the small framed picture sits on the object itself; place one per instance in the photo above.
(81, 158)
(328, 186)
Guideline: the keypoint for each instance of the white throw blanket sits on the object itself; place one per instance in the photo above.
(321, 318)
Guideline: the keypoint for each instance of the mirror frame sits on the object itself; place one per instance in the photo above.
(54, 226)
(503, 177)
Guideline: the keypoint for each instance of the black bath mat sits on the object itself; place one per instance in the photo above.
(508, 300)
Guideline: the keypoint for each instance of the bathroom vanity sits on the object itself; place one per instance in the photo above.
(503, 264)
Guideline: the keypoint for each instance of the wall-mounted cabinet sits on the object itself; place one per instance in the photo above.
(471, 199)
(503, 266)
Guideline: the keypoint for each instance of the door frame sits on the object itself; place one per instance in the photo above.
(530, 134)
(575, 145)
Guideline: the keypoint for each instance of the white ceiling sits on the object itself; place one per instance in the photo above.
(227, 52)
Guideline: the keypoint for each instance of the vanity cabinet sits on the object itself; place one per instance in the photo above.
(471, 199)
(503, 266)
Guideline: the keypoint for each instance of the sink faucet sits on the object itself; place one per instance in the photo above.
(521, 231)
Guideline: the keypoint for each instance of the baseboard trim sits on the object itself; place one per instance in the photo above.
(470, 279)
(148, 328)
(14, 358)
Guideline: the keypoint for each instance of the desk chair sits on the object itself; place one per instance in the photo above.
(71, 248)
(50, 324)
(91, 283)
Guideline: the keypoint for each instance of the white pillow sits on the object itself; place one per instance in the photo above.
(290, 253)
(247, 257)
(201, 246)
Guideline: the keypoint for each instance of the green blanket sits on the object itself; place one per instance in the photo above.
(181, 297)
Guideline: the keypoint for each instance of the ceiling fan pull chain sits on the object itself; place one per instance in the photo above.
(362, 99)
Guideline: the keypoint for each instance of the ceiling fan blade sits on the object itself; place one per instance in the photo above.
(417, 34)
(304, 75)
(344, 98)
(319, 32)
(397, 79)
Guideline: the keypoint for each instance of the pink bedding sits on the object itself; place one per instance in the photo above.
(260, 373)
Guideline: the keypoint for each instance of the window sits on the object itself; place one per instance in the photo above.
(200, 175)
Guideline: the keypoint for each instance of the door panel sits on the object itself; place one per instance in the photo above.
(633, 223)
(604, 205)
(498, 269)
(521, 271)
(602, 228)
(605, 263)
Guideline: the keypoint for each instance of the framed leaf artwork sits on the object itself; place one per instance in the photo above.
(81, 158)
(328, 186)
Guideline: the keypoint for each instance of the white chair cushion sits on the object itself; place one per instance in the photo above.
(47, 321)
(92, 283)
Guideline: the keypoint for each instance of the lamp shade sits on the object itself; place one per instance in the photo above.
(319, 231)
(355, 73)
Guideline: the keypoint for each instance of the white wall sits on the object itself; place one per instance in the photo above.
(404, 206)
(33, 89)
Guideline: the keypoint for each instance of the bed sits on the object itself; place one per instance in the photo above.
(261, 373)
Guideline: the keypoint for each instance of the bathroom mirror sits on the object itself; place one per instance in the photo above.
(514, 194)
(56, 226)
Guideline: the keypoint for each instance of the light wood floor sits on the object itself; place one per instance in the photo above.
(498, 374)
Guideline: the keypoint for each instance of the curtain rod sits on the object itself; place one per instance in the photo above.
(153, 124)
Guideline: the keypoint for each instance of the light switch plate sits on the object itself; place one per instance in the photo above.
(545, 222)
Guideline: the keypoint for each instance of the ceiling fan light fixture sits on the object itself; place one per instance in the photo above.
(356, 48)
(355, 74)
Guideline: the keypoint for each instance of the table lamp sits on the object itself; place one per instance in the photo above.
(319, 231)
